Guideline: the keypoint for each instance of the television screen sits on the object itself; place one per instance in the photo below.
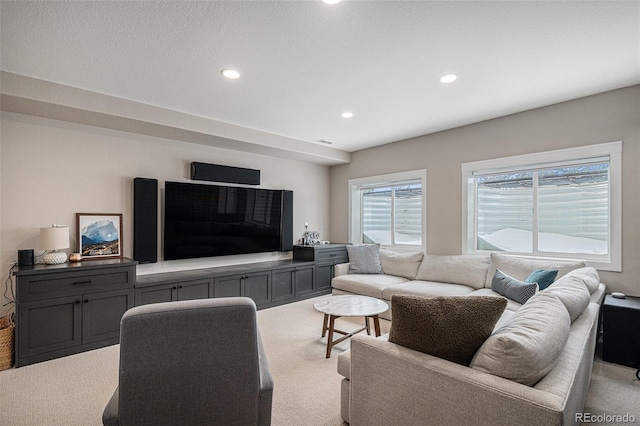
(210, 220)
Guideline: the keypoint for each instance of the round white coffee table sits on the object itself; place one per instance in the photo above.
(334, 307)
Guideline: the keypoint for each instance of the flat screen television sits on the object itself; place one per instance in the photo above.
(211, 220)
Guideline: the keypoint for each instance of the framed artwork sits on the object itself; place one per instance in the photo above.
(99, 235)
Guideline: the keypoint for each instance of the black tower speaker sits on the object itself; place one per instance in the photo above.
(286, 234)
(145, 220)
(228, 174)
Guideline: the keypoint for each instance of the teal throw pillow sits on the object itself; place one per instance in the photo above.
(544, 277)
(511, 288)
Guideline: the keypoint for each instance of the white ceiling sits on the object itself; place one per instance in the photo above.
(305, 62)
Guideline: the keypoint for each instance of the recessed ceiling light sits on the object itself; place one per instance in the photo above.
(331, 1)
(231, 74)
(448, 78)
(346, 114)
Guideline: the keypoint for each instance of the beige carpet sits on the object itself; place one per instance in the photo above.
(73, 390)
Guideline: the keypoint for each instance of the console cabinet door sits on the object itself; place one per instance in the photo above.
(156, 294)
(258, 287)
(49, 325)
(102, 312)
(283, 284)
(324, 274)
(191, 290)
(229, 286)
(305, 278)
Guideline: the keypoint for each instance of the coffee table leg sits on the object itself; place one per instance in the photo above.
(376, 324)
(330, 337)
(324, 324)
(366, 324)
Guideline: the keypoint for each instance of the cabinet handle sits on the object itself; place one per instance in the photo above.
(332, 255)
(77, 302)
(86, 300)
(82, 282)
(179, 286)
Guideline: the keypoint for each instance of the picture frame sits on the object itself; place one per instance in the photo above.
(99, 235)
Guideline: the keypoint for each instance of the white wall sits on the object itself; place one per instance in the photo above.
(51, 170)
(607, 117)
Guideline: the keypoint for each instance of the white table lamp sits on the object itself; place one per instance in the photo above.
(53, 239)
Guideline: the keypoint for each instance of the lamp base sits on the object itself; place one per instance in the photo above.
(54, 257)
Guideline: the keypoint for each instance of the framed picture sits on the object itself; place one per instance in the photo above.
(99, 235)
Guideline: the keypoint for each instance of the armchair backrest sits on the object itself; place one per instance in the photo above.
(191, 362)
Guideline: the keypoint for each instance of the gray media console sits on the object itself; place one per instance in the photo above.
(74, 307)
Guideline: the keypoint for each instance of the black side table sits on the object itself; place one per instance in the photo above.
(621, 331)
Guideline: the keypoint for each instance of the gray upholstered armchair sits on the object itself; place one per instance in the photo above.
(192, 362)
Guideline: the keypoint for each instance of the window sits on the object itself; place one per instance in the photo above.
(389, 210)
(554, 204)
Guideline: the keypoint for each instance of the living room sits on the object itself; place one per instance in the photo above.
(68, 147)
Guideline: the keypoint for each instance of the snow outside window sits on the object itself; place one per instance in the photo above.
(567, 208)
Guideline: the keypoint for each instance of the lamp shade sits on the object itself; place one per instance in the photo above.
(54, 238)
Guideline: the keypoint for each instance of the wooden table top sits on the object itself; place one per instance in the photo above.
(350, 306)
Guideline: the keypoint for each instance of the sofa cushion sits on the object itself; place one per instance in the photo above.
(527, 347)
(364, 259)
(520, 268)
(512, 305)
(367, 285)
(401, 264)
(572, 293)
(452, 328)
(470, 270)
(588, 275)
(544, 277)
(512, 288)
(425, 289)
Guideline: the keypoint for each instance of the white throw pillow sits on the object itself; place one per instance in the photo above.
(400, 264)
(520, 268)
(470, 270)
(530, 342)
(364, 259)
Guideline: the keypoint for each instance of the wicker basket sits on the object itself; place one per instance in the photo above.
(6, 342)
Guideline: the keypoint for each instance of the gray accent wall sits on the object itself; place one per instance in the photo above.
(606, 117)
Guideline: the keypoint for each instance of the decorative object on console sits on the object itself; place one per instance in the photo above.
(75, 257)
(99, 235)
(52, 240)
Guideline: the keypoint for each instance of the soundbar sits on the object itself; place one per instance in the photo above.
(226, 174)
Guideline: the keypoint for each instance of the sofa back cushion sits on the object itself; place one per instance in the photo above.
(400, 264)
(449, 327)
(520, 268)
(530, 342)
(573, 294)
(589, 277)
(470, 270)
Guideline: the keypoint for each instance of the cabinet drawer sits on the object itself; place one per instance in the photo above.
(46, 286)
(333, 256)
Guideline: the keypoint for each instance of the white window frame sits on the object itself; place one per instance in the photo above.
(613, 150)
(355, 204)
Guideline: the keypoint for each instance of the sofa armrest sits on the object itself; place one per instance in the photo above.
(341, 269)
(391, 384)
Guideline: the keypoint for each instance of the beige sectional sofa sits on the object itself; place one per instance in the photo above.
(385, 383)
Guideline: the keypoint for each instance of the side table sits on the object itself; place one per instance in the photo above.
(621, 331)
